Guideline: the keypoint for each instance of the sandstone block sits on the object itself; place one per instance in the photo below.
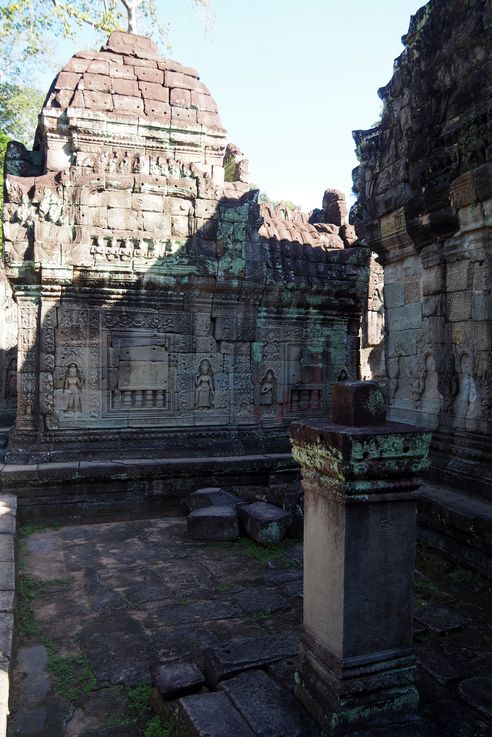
(97, 82)
(153, 91)
(149, 74)
(208, 119)
(77, 65)
(265, 523)
(211, 496)
(246, 653)
(121, 71)
(67, 81)
(208, 714)
(182, 115)
(180, 97)
(127, 104)
(358, 403)
(175, 679)
(98, 100)
(177, 79)
(158, 110)
(213, 523)
(144, 201)
(98, 66)
(127, 87)
(203, 102)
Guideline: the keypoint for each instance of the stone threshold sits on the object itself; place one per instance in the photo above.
(458, 525)
(8, 511)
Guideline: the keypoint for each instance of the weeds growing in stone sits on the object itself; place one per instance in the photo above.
(261, 554)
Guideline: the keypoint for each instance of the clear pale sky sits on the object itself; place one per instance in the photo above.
(292, 79)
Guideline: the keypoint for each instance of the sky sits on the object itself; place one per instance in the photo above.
(292, 79)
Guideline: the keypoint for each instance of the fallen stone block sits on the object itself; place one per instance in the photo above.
(247, 653)
(262, 702)
(177, 678)
(265, 523)
(212, 496)
(213, 523)
(204, 715)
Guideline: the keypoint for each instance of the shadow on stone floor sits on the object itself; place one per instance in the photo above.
(98, 604)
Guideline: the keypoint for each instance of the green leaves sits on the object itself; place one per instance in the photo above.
(29, 28)
(19, 110)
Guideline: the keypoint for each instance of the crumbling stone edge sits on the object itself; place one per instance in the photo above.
(8, 512)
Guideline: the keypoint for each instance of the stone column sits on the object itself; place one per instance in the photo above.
(360, 475)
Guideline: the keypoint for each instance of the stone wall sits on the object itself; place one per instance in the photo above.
(424, 205)
(161, 312)
(8, 352)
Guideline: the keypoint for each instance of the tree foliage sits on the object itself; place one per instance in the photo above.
(28, 28)
(19, 110)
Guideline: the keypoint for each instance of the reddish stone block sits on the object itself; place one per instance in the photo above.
(98, 100)
(98, 67)
(358, 403)
(182, 115)
(153, 91)
(97, 82)
(128, 104)
(67, 81)
(78, 99)
(180, 97)
(62, 99)
(168, 65)
(149, 74)
(128, 87)
(210, 120)
(121, 71)
(77, 65)
(157, 110)
(203, 102)
(136, 62)
(184, 81)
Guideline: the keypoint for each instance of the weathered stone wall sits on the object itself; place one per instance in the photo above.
(8, 352)
(161, 313)
(425, 201)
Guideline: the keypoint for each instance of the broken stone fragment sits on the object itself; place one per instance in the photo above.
(175, 679)
(247, 653)
(212, 496)
(213, 523)
(265, 523)
(209, 714)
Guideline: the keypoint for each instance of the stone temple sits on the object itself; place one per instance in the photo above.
(162, 313)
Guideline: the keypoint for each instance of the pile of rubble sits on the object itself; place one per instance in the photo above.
(216, 514)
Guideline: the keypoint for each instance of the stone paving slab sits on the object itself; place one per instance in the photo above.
(117, 597)
(8, 522)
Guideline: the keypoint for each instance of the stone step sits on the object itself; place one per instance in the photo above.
(247, 653)
(209, 715)
(457, 524)
(270, 710)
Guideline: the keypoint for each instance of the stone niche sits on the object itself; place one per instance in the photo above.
(162, 312)
(424, 188)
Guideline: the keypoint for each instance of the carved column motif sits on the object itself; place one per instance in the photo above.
(28, 363)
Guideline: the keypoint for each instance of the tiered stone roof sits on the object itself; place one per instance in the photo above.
(129, 78)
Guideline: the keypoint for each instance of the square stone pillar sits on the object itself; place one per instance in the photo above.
(360, 476)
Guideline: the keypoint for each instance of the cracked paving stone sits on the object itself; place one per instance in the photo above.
(477, 692)
(118, 649)
(269, 710)
(261, 600)
(436, 664)
(248, 653)
(210, 714)
(440, 618)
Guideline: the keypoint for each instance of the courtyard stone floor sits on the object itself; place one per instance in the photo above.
(98, 604)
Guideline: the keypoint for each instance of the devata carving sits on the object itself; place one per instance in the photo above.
(72, 389)
(204, 386)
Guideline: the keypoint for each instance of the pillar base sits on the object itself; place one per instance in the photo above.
(345, 695)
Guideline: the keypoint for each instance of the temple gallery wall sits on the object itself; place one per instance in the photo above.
(161, 311)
